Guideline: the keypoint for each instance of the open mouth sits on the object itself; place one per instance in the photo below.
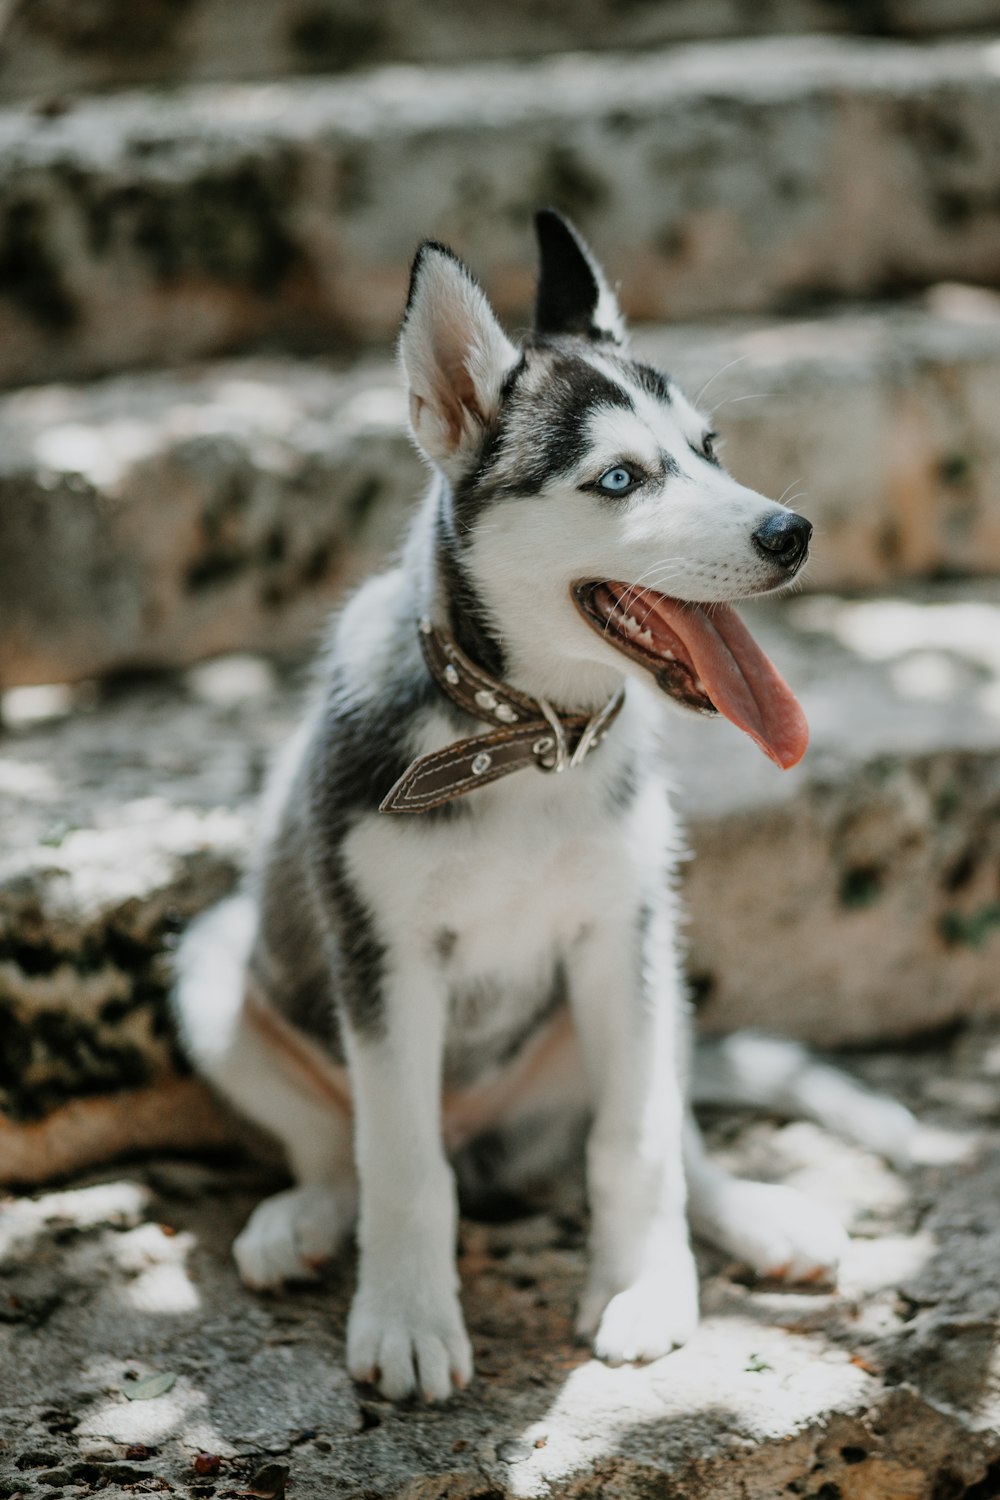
(704, 657)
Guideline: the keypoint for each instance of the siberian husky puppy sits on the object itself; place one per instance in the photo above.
(459, 942)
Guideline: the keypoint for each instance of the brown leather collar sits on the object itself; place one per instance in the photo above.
(531, 732)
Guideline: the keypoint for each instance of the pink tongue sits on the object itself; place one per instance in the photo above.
(740, 680)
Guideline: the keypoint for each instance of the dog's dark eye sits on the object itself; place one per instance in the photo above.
(708, 446)
(616, 481)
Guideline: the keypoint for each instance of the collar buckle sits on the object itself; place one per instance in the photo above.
(597, 727)
(552, 751)
(555, 742)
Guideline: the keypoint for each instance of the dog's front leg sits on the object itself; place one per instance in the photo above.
(641, 1297)
(405, 1330)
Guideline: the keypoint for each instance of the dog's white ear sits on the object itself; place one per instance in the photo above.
(454, 353)
(573, 296)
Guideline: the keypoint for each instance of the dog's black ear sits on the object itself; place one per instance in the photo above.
(573, 296)
(455, 355)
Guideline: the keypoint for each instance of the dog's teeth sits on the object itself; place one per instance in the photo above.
(669, 655)
(646, 636)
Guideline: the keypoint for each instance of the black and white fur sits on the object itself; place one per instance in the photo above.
(428, 956)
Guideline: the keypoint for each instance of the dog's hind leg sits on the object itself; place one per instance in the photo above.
(762, 1072)
(773, 1229)
(527, 1137)
(290, 1235)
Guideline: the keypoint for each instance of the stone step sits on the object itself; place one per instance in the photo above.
(726, 177)
(881, 1388)
(160, 518)
(855, 899)
(51, 50)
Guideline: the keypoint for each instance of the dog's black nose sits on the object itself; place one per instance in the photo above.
(783, 538)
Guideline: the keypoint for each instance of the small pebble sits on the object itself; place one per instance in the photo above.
(513, 1451)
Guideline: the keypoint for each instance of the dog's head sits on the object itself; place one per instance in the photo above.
(585, 507)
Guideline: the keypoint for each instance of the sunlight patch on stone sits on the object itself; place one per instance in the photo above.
(882, 629)
(988, 698)
(939, 1146)
(125, 1421)
(929, 675)
(102, 453)
(163, 1289)
(157, 1260)
(101, 864)
(590, 1417)
(24, 706)
(23, 1219)
(227, 681)
(18, 779)
(736, 1372)
(876, 1265)
(246, 402)
(379, 408)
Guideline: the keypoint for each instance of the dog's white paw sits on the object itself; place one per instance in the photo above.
(421, 1349)
(290, 1236)
(776, 1231)
(647, 1320)
(657, 1313)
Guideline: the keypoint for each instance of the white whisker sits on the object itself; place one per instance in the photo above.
(731, 400)
(738, 360)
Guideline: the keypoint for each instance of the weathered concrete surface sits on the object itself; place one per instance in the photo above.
(885, 1389)
(159, 518)
(856, 898)
(51, 47)
(154, 520)
(116, 826)
(728, 177)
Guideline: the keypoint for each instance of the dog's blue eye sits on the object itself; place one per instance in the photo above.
(616, 481)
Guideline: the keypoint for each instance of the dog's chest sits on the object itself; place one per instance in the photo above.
(504, 927)
(496, 904)
(502, 935)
